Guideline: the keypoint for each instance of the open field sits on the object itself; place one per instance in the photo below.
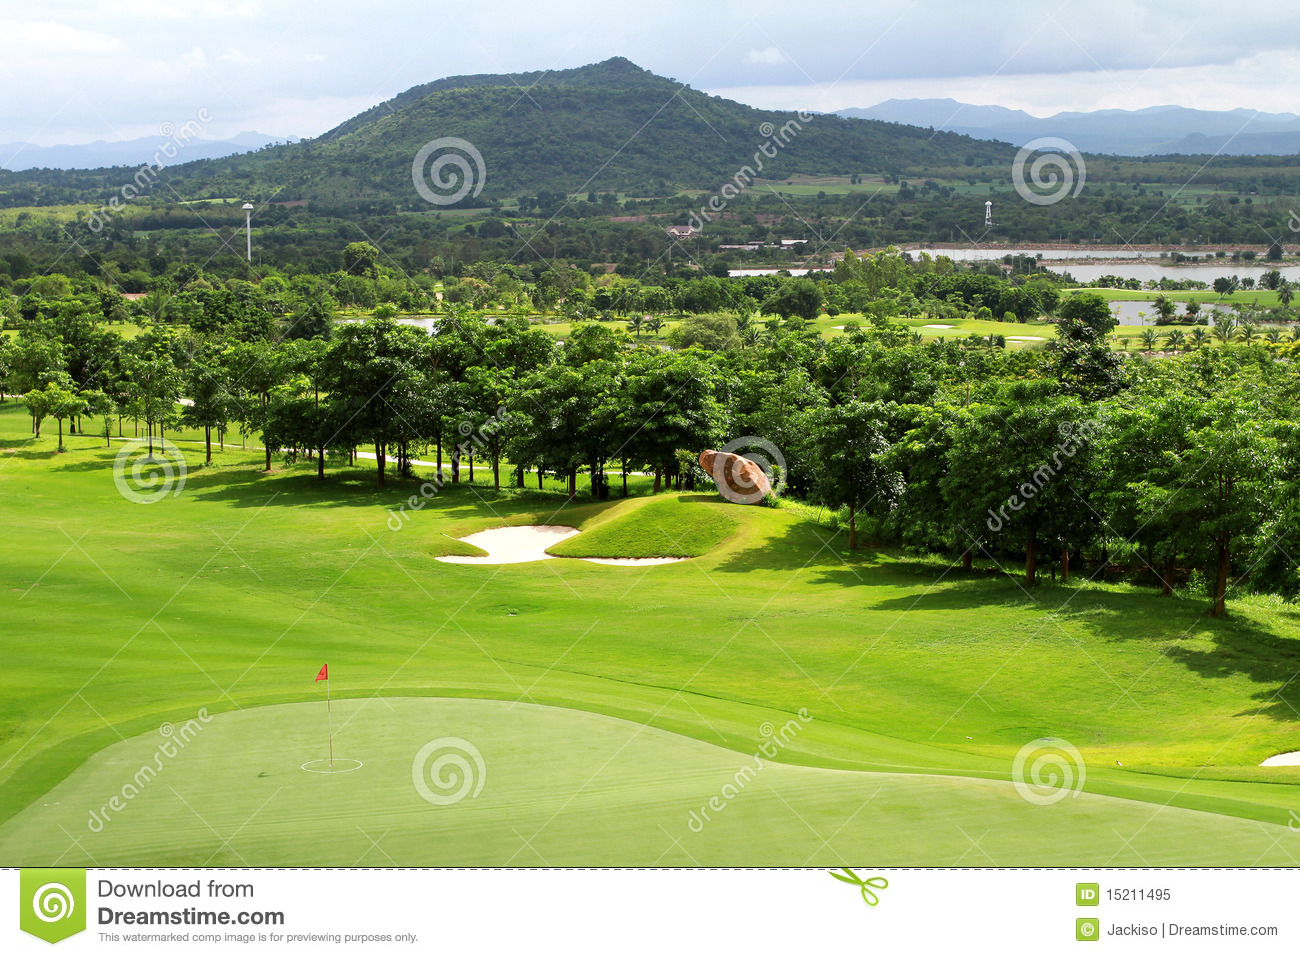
(921, 684)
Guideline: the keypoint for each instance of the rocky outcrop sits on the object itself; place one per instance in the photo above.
(739, 480)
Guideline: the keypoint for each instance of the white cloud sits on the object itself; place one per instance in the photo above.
(46, 38)
(772, 56)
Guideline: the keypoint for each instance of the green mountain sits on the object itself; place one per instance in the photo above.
(610, 126)
(607, 127)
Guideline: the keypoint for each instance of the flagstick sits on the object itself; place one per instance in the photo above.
(330, 711)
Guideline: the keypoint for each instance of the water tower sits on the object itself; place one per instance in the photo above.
(988, 212)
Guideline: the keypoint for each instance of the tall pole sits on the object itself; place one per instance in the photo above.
(248, 232)
(330, 711)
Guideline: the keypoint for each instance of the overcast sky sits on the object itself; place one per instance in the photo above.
(75, 71)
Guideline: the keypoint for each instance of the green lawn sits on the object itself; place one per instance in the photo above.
(677, 527)
(229, 596)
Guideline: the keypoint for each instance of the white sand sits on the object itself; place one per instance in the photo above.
(516, 544)
(1026, 339)
(1287, 760)
(936, 325)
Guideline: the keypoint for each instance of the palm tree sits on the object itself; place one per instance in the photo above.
(635, 323)
(1248, 332)
(749, 335)
(1223, 328)
(1295, 333)
(1148, 337)
(654, 324)
(1274, 335)
(1175, 339)
(1198, 337)
(1285, 293)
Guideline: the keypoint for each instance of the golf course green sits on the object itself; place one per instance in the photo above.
(608, 704)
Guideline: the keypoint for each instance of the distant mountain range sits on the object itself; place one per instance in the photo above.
(1152, 131)
(21, 156)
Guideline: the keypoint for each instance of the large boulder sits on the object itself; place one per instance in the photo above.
(739, 480)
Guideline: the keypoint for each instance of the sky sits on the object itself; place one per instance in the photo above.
(77, 71)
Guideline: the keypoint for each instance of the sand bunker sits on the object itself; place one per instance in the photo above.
(1026, 339)
(517, 544)
(1285, 760)
(936, 325)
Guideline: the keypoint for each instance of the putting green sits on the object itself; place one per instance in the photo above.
(557, 786)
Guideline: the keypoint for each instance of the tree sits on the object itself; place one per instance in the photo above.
(715, 331)
(1081, 357)
(851, 447)
(153, 382)
(797, 297)
(373, 374)
(56, 400)
(207, 385)
(1021, 469)
(361, 259)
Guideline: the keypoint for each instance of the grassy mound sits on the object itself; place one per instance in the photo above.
(665, 528)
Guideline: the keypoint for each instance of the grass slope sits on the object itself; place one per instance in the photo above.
(681, 526)
(119, 617)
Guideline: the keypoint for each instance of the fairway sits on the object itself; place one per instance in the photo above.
(608, 703)
(562, 787)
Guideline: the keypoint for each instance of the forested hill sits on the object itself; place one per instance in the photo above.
(610, 126)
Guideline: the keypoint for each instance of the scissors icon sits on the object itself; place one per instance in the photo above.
(866, 886)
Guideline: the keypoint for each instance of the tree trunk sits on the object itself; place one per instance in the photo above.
(207, 435)
(496, 471)
(1031, 559)
(625, 478)
(1065, 563)
(455, 468)
(853, 528)
(471, 466)
(539, 478)
(1168, 588)
(440, 456)
(519, 476)
(268, 453)
(965, 560)
(379, 460)
(1221, 582)
(573, 484)
(320, 463)
(60, 435)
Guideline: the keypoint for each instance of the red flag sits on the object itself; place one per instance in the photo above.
(324, 673)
